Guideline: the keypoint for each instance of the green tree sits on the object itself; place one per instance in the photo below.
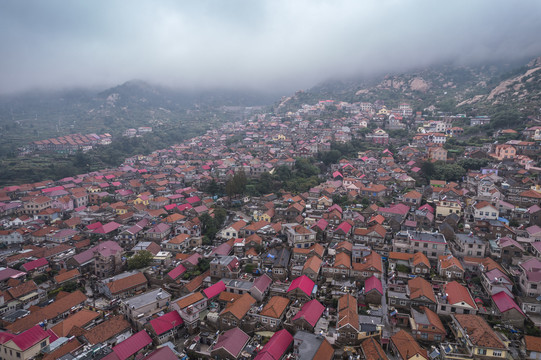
(236, 185)
(141, 259)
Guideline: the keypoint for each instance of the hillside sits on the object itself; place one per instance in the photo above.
(448, 88)
(42, 115)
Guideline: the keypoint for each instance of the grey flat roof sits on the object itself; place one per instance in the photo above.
(139, 301)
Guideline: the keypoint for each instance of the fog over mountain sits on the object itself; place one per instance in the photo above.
(277, 45)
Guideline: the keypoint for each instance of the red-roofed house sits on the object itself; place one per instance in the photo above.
(166, 326)
(456, 299)
(508, 310)
(229, 344)
(214, 290)
(301, 288)
(276, 347)
(24, 346)
(177, 272)
(38, 265)
(308, 316)
(132, 345)
(373, 290)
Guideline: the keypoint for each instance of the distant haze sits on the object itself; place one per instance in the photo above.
(278, 45)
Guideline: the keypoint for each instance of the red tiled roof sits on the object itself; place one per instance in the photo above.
(457, 293)
(36, 264)
(166, 322)
(214, 290)
(276, 347)
(311, 312)
(232, 341)
(304, 283)
(176, 272)
(504, 302)
(30, 337)
(132, 345)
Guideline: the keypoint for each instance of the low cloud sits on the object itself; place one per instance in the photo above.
(265, 45)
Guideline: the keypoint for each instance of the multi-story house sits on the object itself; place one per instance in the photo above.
(447, 207)
(347, 323)
(277, 261)
(235, 312)
(272, 314)
(530, 277)
(189, 307)
(432, 245)
(107, 259)
(426, 325)
(224, 267)
(418, 292)
(483, 210)
(450, 267)
(405, 347)
(468, 245)
(455, 299)
(37, 204)
(138, 309)
(123, 285)
(495, 281)
(478, 338)
(299, 236)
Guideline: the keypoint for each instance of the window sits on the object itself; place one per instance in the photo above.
(443, 308)
(425, 245)
(437, 337)
(533, 286)
(424, 336)
(482, 351)
(453, 309)
(18, 354)
(496, 353)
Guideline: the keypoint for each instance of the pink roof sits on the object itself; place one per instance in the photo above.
(193, 199)
(185, 207)
(170, 207)
(214, 290)
(336, 174)
(262, 282)
(373, 283)
(166, 322)
(5, 337)
(107, 228)
(48, 190)
(304, 283)
(30, 337)
(232, 341)
(35, 264)
(428, 207)
(222, 249)
(163, 353)
(94, 225)
(193, 259)
(276, 347)
(311, 312)
(52, 336)
(132, 345)
(345, 227)
(504, 302)
(321, 224)
(400, 209)
(176, 272)
(337, 207)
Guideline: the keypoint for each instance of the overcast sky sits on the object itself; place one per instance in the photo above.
(276, 44)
